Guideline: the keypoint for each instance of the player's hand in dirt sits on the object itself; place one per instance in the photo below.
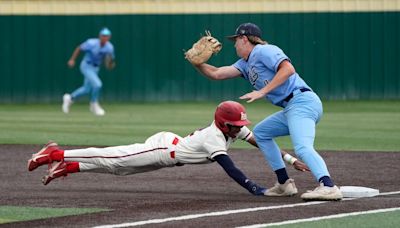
(255, 189)
(300, 166)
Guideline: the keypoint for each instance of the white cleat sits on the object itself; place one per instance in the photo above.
(286, 189)
(67, 102)
(323, 193)
(96, 109)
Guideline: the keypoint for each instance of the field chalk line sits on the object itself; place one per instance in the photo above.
(227, 212)
(321, 218)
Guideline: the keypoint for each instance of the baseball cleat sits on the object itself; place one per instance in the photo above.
(96, 109)
(286, 189)
(57, 170)
(67, 102)
(323, 193)
(43, 156)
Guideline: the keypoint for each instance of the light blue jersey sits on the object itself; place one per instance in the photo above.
(90, 66)
(95, 53)
(297, 119)
(261, 67)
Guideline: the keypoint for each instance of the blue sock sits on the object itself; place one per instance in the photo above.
(282, 175)
(327, 181)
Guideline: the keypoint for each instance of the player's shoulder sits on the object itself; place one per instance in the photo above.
(214, 137)
(216, 133)
(92, 41)
(110, 45)
(262, 48)
(266, 50)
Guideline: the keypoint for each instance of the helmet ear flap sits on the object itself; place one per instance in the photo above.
(222, 126)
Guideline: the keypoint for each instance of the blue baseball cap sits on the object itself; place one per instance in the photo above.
(105, 32)
(246, 29)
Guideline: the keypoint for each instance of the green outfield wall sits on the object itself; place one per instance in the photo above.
(341, 55)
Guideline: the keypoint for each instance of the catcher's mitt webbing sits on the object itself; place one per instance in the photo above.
(202, 50)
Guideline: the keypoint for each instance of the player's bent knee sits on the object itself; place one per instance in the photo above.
(260, 133)
(86, 90)
(97, 86)
(302, 150)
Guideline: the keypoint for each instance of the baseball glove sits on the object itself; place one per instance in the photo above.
(109, 62)
(203, 49)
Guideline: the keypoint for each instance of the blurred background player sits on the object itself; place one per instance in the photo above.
(97, 51)
(164, 149)
(274, 78)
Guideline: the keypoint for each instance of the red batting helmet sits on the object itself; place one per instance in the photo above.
(232, 113)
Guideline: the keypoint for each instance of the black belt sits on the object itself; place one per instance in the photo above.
(287, 99)
(90, 63)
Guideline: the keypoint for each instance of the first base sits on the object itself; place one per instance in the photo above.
(358, 191)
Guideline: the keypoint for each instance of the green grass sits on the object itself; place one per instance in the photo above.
(350, 125)
(16, 214)
(384, 219)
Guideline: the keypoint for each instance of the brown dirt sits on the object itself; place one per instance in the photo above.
(189, 190)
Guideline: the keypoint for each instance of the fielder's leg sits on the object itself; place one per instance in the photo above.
(86, 88)
(302, 116)
(304, 113)
(95, 84)
(265, 132)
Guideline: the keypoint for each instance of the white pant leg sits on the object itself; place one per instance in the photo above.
(129, 159)
(91, 168)
(119, 160)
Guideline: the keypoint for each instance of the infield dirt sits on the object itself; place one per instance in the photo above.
(190, 189)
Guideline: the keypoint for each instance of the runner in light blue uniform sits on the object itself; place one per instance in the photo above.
(273, 76)
(96, 49)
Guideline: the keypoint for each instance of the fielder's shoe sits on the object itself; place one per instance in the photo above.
(323, 193)
(96, 109)
(43, 156)
(57, 170)
(67, 102)
(286, 189)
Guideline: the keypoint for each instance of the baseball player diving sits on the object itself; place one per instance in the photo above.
(97, 51)
(270, 71)
(164, 149)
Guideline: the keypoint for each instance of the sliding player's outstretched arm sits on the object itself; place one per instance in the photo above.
(236, 174)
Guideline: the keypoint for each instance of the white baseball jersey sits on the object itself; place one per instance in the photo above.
(204, 144)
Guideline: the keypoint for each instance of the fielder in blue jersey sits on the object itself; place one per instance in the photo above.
(274, 78)
(97, 51)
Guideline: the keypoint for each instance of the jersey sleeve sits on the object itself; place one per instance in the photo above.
(272, 56)
(111, 51)
(245, 133)
(85, 46)
(215, 146)
(241, 66)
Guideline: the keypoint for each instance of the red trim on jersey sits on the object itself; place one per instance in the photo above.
(176, 140)
(172, 154)
(124, 156)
